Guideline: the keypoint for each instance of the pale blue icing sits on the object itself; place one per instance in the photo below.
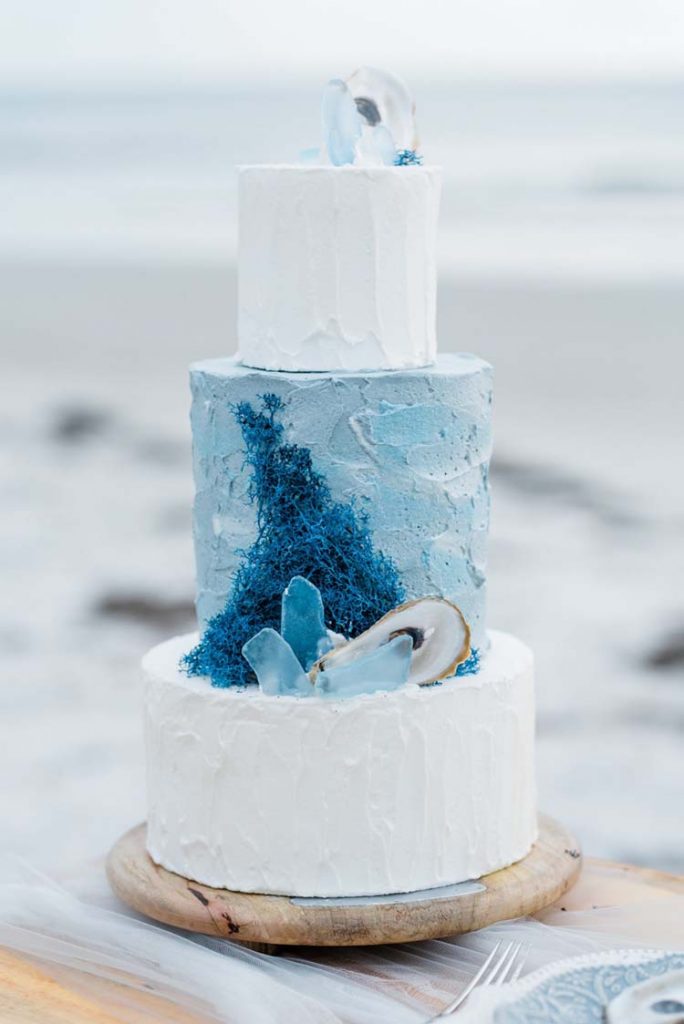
(412, 447)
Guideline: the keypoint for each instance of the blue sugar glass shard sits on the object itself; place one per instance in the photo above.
(342, 123)
(275, 665)
(302, 621)
(385, 668)
(383, 144)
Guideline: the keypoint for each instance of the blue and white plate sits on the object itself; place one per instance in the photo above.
(579, 991)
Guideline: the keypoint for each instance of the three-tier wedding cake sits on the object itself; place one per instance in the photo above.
(343, 724)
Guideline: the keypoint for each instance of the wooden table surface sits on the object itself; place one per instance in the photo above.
(35, 993)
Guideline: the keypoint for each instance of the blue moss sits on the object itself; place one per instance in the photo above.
(407, 158)
(471, 666)
(301, 531)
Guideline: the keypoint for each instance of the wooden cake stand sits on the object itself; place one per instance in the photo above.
(266, 922)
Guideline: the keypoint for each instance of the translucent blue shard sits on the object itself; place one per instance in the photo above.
(275, 665)
(376, 146)
(384, 144)
(385, 668)
(302, 621)
(342, 123)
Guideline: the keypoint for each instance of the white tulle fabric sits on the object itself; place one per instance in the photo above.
(81, 927)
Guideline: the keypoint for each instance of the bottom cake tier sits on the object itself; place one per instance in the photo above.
(376, 794)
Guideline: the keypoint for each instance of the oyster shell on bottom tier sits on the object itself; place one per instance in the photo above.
(438, 631)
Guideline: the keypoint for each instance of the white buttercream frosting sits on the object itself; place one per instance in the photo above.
(337, 267)
(387, 792)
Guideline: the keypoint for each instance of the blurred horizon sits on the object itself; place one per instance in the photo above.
(313, 81)
(555, 181)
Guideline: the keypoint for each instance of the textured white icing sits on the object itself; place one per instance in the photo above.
(387, 792)
(337, 267)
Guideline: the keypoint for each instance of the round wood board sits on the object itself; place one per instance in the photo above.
(549, 870)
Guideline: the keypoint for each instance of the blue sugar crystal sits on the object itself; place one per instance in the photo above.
(383, 145)
(302, 621)
(275, 665)
(385, 668)
(342, 123)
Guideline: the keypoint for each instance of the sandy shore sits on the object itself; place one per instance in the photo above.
(586, 548)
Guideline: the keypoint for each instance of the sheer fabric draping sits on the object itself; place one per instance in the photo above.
(80, 928)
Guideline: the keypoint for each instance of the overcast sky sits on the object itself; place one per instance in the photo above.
(62, 40)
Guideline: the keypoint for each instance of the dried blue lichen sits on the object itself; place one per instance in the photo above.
(407, 158)
(301, 531)
(471, 666)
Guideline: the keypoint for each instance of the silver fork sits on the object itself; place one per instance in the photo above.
(497, 969)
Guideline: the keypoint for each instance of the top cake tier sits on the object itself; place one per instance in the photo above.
(337, 267)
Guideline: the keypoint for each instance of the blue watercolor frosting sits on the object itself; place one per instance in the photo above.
(409, 448)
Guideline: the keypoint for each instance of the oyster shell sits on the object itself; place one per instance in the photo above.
(437, 628)
(382, 99)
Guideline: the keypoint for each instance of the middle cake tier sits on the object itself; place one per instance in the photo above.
(404, 454)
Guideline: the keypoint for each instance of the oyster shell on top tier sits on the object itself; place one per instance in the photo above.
(369, 120)
(439, 633)
(382, 99)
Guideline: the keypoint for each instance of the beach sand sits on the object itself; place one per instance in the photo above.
(586, 553)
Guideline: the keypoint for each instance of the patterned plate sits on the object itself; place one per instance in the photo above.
(578, 991)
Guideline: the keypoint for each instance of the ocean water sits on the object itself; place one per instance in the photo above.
(560, 181)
